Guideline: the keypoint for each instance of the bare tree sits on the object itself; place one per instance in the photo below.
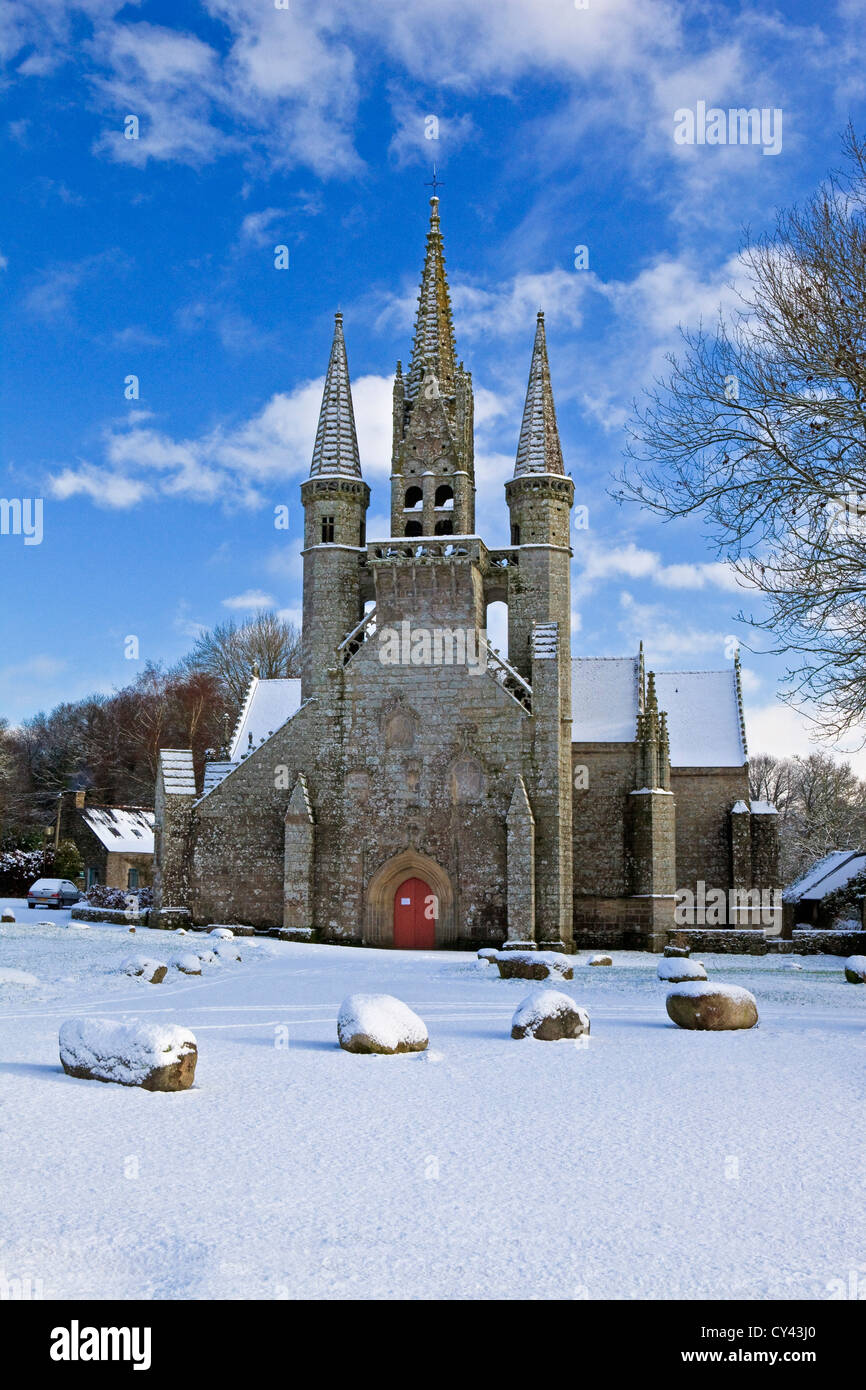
(760, 429)
(821, 805)
(772, 779)
(230, 651)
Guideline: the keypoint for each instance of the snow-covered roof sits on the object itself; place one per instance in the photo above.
(604, 699)
(178, 774)
(214, 774)
(833, 871)
(703, 711)
(268, 705)
(123, 829)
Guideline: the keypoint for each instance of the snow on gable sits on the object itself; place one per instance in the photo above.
(703, 717)
(178, 774)
(604, 699)
(269, 704)
(832, 871)
(121, 829)
(214, 774)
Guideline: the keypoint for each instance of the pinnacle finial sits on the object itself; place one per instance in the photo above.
(336, 446)
(538, 449)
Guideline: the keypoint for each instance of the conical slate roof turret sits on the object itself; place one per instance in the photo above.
(336, 447)
(434, 346)
(538, 449)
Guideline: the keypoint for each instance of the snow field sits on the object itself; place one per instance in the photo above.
(648, 1162)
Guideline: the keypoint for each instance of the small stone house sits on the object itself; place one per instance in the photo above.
(415, 788)
(115, 842)
(811, 900)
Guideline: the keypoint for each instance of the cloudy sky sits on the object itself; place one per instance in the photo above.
(313, 126)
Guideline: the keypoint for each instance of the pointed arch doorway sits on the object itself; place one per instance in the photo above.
(436, 927)
(414, 916)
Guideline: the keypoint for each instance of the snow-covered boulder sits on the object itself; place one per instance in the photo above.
(600, 959)
(155, 1056)
(154, 971)
(227, 950)
(221, 933)
(533, 965)
(7, 915)
(207, 956)
(675, 970)
(8, 976)
(711, 1007)
(379, 1023)
(672, 951)
(187, 963)
(855, 970)
(487, 955)
(549, 1015)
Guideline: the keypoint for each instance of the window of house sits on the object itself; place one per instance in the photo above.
(327, 528)
(413, 528)
(91, 877)
(444, 496)
(445, 528)
(132, 878)
(515, 533)
(414, 499)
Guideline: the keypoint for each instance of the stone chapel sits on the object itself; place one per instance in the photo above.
(415, 789)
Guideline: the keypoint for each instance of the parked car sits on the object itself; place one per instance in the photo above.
(52, 892)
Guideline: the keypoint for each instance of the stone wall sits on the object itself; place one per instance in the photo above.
(704, 797)
(753, 942)
(599, 820)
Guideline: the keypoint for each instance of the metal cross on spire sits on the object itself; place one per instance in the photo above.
(434, 183)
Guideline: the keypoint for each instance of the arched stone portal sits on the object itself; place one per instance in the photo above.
(381, 890)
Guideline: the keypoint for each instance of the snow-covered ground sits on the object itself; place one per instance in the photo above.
(646, 1162)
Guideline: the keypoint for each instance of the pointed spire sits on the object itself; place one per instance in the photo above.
(538, 450)
(336, 447)
(433, 348)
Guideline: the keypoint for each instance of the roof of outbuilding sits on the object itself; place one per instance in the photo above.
(121, 829)
(832, 871)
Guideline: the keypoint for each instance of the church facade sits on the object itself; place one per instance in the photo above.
(414, 789)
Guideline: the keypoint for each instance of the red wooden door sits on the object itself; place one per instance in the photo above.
(414, 924)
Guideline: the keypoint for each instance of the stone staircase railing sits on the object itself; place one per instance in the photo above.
(365, 629)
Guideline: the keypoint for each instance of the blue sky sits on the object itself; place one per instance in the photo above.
(307, 126)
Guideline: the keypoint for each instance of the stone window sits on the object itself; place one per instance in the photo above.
(413, 528)
(414, 500)
(327, 529)
(515, 533)
(444, 496)
(445, 527)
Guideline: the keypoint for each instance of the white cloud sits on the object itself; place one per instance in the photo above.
(236, 465)
(249, 601)
(257, 228)
(103, 486)
(598, 563)
(785, 732)
(424, 134)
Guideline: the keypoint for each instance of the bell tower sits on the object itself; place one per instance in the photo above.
(432, 467)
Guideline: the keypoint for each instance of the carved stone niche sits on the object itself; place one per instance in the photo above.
(399, 725)
(467, 780)
(358, 785)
